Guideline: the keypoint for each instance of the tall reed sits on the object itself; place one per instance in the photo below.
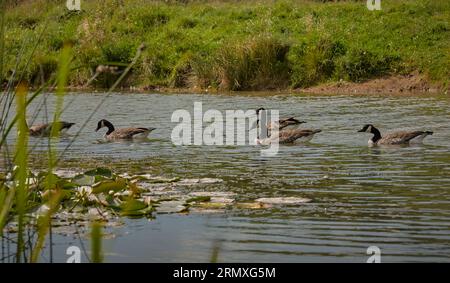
(44, 224)
(21, 170)
(96, 242)
(2, 39)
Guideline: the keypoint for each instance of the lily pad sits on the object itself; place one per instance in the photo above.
(190, 182)
(252, 205)
(157, 180)
(84, 180)
(68, 185)
(201, 210)
(174, 206)
(138, 213)
(153, 187)
(210, 181)
(104, 172)
(66, 173)
(134, 207)
(222, 200)
(212, 205)
(108, 185)
(213, 194)
(199, 199)
(96, 213)
(141, 212)
(283, 200)
(132, 204)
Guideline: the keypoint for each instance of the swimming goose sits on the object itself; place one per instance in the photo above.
(282, 123)
(289, 136)
(44, 130)
(395, 138)
(124, 133)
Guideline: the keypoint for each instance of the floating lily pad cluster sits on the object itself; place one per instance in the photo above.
(102, 195)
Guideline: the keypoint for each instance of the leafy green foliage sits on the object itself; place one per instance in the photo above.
(235, 45)
(316, 62)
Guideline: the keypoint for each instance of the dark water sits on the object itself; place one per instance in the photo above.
(396, 198)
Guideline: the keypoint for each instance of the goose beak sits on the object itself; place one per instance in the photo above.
(151, 129)
(361, 131)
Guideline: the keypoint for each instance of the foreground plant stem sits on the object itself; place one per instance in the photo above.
(21, 161)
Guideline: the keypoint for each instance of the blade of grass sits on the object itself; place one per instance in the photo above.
(122, 76)
(62, 77)
(13, 122)
(6, 206)
(21, 162)
(43, 224)
(2, 39)
(96, 242)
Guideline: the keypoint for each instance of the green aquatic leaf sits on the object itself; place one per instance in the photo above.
(104, 172)
(67, 185)
(284, 200)
(132, 204)
(252, 205)
(84, 180)
(109, 185)
(199, 199)
(50, 181)
(134, 207)
(212, 205)
(174, 206)
(64, 194)
(141, 212)
(163, 180)
(112, 202)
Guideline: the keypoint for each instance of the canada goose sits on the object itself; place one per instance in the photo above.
(125, 133)
(289, 136)
(282, 123)
(44, 130)
(401, 137)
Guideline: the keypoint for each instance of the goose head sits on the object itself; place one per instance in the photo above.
(369, 128)
(259, 109)
(257, 114)
(105, 123)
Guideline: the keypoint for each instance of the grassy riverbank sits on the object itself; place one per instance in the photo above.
(231, 45)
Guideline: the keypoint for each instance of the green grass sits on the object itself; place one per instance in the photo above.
(236, 45)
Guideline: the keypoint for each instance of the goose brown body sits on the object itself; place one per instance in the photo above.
(281, 124)
(46, 129)
(289, 136)
(123, 133)
(129, 133)
(296, 135)
(394, 138)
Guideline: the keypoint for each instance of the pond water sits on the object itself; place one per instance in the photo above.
(395, 198)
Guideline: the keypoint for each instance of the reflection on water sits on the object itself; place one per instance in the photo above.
(396, 198)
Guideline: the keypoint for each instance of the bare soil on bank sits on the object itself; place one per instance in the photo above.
(396, 84)
(408, 84)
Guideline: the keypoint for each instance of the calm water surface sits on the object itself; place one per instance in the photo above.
(396, 198)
